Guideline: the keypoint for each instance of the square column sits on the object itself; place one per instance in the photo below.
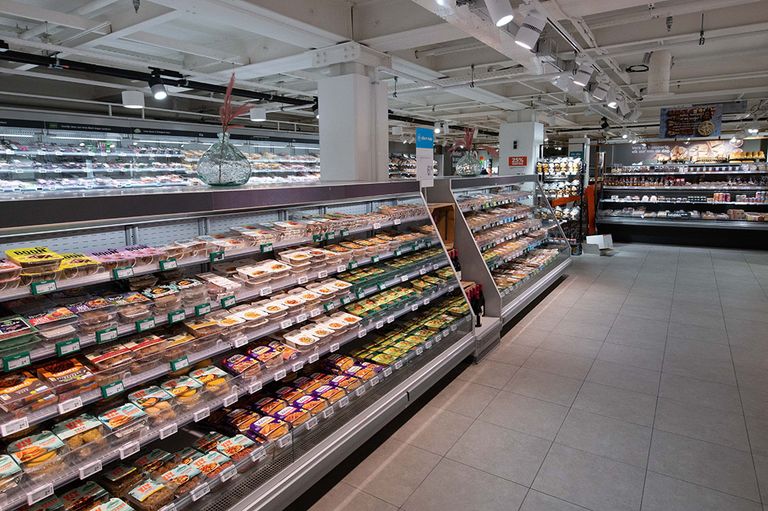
(519, 139)
(354, 140)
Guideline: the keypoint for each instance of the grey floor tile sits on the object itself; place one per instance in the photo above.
(537, 501)
(573, 345)
(604, 436)
(632, 356)
(618, 403)
(761, 467)
(597, 317)
(433, 429)
(544, 386)
(702, 369)
(664, 493)
(489, 373)
(464, 398)
(563, 364)
(700, 393)
(755, 401)
(698, 333)
(659, 313)
(455, 487)
(650, 326)
(510, 353)
(393, 471)
(636, 338)
(525, 414)
(699, 318)
(752, 376)
(711, 465)
(696, 349)
(501, 451)
(591, 481)
(529, 336)
(344, 497)
(625, 377)
(583, 329)
(703, 423)
(758, 434)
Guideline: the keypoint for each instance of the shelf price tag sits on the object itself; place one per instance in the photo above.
(106, 335)
(397, 221)
(360, 294)
(17, 361)
(379, 324)
(419, 350)
(145, 324)
(228, 301)
(398, 365)
(112, 389)
(314, 357)
(343, 401)
(122, 273)
(454, 327)
(344, 232)
(265, 291)
(279, 375)
(301, 318)
(375, 259)
(390, 319)
(202, 309)
(43, 287)
(67, 347)
(345, 300)
(297, 366)
(414, 307)
(387, 372)
(286, 323)
(201, 414)
(258, 454)
(398, 252)
(341, 268)
(311, 423)
(14, 426)
(446, 333)
(70, 405)
(216, 256)
(90, 469)
(317, 237)
(360, 391)
(200, 491)
(428, 345)
(129, 449)
(362, 333)
(426, 301)
(322, 274)
(39, 493)
(176, 316)
(284, 441)
(168, 264)
(328, 412)
(315, 312)
(330, 235)
(438, 338)
(302, 280)
(404, 278)
(352, 265)
(170, 429)
(334, 347)
(179, 364)
(381, 286)
(423, 271)
(228, 473)
(230, 399)
(240, 341)
(266, 247)
(374, 381)
(254, 387)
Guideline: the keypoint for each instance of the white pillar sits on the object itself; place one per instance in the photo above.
(520, 139)
(354, 143)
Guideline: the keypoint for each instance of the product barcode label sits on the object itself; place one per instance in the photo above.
(359, 391)
(90, 469)
(379, 324)
(328, 412)
(43, 287)
(286, 323)
(68, 347)
(145, 324)
(70, 405)
(302, 280)
(14, 426)
(258, 453)
(311, 423)
(228, 473)
(343, 401)
(112, 389)
(179, 364)
(168, 264)
(322, 274)
(265, 291)
(230, 399)
(314, 357)
(266, 247)
(297, 366)
(200, 491)
(301, 318)
(39, 493)
(284, 441)
(203, 308)
(106, 335)
(227, 302)
(334, 347)
(201, 414)
(279, 375)
(176, 316)
(254, 387)
(387, 372)
(122, 273)
(170, 429)
(129, 449)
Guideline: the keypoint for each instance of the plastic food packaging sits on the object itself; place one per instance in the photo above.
(212, 464)
(254, 275)
(312, 404)
(187, 455)
(150, 496)
(301, 340)
(269, 405)
(52, 503)
(124, 421)
(186, 390)
(9, 270)
(213, 379)
(22, 392)
(193, 292)
(155, 463)
(285, 351)
(242, 365)
(309, 384)
(38, 454)
(67, 376)
(95, 314)
(193, 248)
(76, 264)
(15, 329)
(145, 255)
(207, 442)
(131, 306)
(182, 478)
(121, 478)
(146, 352)
(338, 362)
(330, 393)
(85, 497)
(166, 298)
(364, 370)
(10, 473)
(239, 421)
(113, 504)
(156, 403)
(269, 428)
(54, 324)
(34, 257)
(219, 286)
(237, 447)
(266, 356)
(254, 317)
(203, 326)
(346, 382)
(274, 308)
(112, 259)
(112, 363)
(288, 394)
(179, 344)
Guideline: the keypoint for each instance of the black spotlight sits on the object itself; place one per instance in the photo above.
(604, 123)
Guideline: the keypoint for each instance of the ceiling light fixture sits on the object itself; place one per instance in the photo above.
(753, 130)
(501, 11)
(157, 87)
(530, 31)
(133, 99)
(625, 135)
(446, 129)
(600, 91)
(397, 130)
(562, 82)
(583, 74)
(258, 114)
(3, 46)
(612, 101)
(437, 127)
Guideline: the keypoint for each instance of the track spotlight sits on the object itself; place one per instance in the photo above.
(437, 127)
(623, 107)
(397, 130)
(316, 110)
(562, 82)
(3, 46)
(583, 74)
(753, 130)
(258, 114)
(157, 87)
(500, 11)
(133, 99)
(604, 123)
(600, 91)
(625, 135)
(446, 129)
(612, 101)
(530, 31)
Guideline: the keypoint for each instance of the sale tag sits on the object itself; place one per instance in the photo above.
(90, 469)
(106, 335)
(129, 449)
(230, 399)
(122, 273)
(14, 426)
(279, 375)
(170, 429)
(179, 364)
(227, 302)
(70, 405)
(112, 389)
(68, 347)
(168, 264)
(176, 316)
(201, 414)
(17, 361)
(202, 309)
(43, 287)
(145, 324)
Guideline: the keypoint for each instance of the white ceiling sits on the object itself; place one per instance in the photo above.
(433, 49)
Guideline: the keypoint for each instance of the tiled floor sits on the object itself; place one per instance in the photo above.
(639, 383)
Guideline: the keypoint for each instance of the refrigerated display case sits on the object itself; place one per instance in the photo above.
(223, 354)
(508, 240)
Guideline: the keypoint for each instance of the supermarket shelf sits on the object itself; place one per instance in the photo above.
(509, 237)
(316, 162)
(240, 387)
(687, 173)
(281, 489)
(569, 177)
(536, 286)
(668, 222)
(563, 200)
(285, 171)
(690, 188)
(103, 277)
(495, 263)
(11, 152)
(703, 164)
(87, 340)
(732, 203)
(222, 346)
(467, 183)
(494, 204)
(503, 221)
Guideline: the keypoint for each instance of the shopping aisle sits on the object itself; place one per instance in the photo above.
(639, 383)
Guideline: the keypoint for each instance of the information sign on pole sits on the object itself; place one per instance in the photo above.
(425, 156)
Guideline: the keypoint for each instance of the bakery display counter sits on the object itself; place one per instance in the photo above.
(125, 337)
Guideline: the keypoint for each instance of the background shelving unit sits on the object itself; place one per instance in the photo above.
(563, 182)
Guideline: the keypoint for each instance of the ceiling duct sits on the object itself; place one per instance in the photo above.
(659, 69)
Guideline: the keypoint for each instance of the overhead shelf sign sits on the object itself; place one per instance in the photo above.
(693, 121)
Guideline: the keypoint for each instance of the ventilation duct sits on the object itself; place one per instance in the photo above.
(659, 69)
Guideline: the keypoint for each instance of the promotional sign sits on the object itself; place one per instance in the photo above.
(576, 154)
(694, 121)
(673, 152)
(518, 161)
(425, 156)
